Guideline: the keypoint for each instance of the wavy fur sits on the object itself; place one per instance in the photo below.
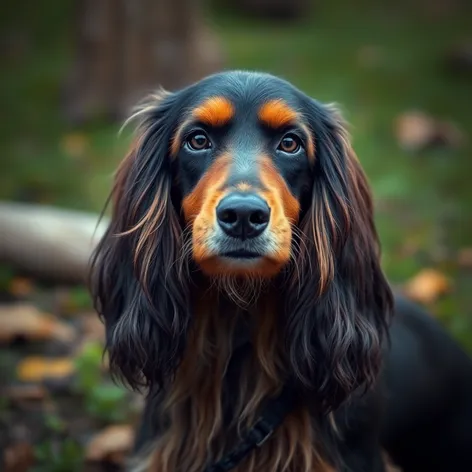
(339, 306)
(170, 330)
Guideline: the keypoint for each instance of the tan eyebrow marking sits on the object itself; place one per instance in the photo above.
(276, 114)
(215, 111)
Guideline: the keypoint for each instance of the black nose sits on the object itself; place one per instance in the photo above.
(243, 216)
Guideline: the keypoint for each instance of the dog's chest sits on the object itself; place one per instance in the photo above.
(223, 397)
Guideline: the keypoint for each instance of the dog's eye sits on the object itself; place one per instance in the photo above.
(290, 144)
(198, 141)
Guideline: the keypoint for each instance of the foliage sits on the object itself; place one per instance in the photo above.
(59, 456)
(59, 453)
(102, 399)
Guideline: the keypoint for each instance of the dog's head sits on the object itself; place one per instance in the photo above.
(244, 177)
(244, 154)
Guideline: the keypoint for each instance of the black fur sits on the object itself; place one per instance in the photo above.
(335, 319)
(420, 412)
(427, 422)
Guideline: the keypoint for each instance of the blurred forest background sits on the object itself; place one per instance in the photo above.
(402, 72)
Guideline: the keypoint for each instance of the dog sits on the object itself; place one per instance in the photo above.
(427, 377)
(242, 262)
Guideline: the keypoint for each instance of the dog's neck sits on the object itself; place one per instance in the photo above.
(232, 364)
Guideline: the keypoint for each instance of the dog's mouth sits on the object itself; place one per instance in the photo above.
(240, 262)
(247, 258)
(241, 254)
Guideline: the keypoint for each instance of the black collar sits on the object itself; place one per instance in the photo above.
(273, 414)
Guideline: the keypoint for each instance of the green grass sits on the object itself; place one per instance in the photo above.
(424, 200)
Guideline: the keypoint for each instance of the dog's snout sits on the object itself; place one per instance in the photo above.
(243, 216)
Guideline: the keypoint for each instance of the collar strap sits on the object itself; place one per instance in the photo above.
(273, 414)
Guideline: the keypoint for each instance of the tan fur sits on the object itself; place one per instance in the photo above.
(278, 114)
(194, 401)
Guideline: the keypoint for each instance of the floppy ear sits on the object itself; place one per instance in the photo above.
(340, 305)
(137, 286)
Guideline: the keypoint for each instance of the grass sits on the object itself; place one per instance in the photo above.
(376, 61)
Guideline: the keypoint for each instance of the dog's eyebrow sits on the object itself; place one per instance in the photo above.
(214, 111)
(277, 114)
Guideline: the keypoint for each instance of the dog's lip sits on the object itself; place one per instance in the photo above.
(241, 254)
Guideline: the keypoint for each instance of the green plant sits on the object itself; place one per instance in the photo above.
(6, 275)
(55, 424)
(107, 402)
(89, 367)
(59, 455)
(103, 399)
(79, 298)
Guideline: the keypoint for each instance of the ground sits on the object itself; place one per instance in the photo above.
(377, 63)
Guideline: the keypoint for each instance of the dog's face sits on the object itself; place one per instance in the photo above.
(248, 177)
(244, 160)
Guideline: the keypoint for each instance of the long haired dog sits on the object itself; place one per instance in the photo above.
(242, 255)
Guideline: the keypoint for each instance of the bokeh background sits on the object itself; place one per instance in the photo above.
(401, 71)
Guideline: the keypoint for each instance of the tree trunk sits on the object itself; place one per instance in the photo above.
(126, 48)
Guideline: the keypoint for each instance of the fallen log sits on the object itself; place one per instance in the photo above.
(47, 242)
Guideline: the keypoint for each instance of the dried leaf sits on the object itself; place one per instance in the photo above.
(21, 286)
(415, 130)
(74, 144)
(464, 258)
(26, 321)
(36, 369)
(18, 457)
(26, 393)
(112, 444)
(427, 286)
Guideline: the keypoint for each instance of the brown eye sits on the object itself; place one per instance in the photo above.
(198, 141)
(290, 144)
